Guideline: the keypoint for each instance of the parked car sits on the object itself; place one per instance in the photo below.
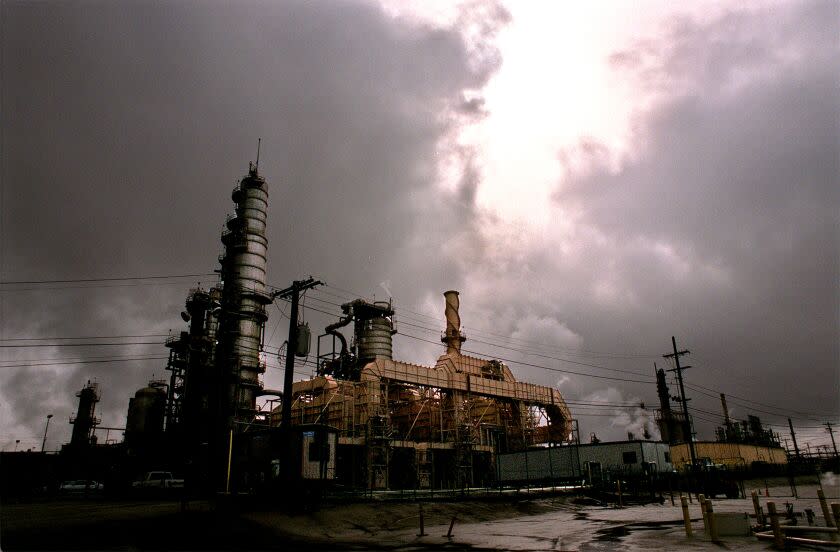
(79, 486)
(159, 480)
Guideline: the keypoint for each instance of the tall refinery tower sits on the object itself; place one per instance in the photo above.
(244, 298)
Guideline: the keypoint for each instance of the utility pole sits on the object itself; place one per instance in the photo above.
(793, 437)
(676, 356)
(831, 432)
(292, 292)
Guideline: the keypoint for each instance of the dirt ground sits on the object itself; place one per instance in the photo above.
(542, 524)
(510, 521)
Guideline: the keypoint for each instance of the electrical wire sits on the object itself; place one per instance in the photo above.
(523, 363)
(4, 346)
(809, 417)
(572, 351)
(65, 363)
(668, 362)
(114, 279)
(82, 337)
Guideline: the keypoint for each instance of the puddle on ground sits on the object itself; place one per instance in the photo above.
(610, 538)
(612, 534)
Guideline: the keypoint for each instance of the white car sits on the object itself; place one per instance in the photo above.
(159, 480)
(80, 486)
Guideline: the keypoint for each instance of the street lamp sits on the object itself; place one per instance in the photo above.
(44, 442)
(17, 442)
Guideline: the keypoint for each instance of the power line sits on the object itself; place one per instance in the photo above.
(82, 337)
(780, 413)
(86, 357)
(83, 344)
(751, 401)
(538, 354)
(115, 279)
(31, 365)
(523, 363)
(567, 350)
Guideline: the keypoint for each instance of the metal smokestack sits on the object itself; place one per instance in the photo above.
(726, 420)
(662, 391)
(452, 337)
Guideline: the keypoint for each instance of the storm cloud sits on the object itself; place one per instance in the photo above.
(125, 127)
(719, 226)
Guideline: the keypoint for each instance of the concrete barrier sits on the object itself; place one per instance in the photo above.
(732, 524)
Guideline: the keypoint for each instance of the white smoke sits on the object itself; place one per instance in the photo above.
(386, 285)
(628, 414)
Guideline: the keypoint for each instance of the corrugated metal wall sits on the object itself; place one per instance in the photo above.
(732, 454)
(570, 461)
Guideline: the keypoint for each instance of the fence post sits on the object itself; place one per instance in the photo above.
(451, 525)
(759, 515)
(688, 486)
(710, 514)
(701, 498)
(829, 521)
(620, 501)
(671, 488)
(778, 536)
(422, 528)
(686, 515)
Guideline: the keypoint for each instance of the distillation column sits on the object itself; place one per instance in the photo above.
(85, 419)
(244, 298)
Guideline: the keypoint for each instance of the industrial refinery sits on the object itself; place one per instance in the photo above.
(382, 423)
(366, 425)
(364, 420)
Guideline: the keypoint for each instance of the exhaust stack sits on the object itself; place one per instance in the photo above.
(452, 337)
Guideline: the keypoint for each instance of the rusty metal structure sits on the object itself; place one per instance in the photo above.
(671, 422)
(85, 420)
(404, 425)
(192, 365)
(399, 425)
(215, 366)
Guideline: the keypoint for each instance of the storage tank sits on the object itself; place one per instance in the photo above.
(146, 411)
(374, 328)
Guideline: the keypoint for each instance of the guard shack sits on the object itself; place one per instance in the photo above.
(294, 465)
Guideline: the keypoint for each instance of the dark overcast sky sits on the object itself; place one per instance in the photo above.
(126, 125)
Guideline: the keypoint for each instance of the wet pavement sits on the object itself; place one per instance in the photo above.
(559, 523)
(600, 529)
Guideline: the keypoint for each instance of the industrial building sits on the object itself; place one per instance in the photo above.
(403, 425)
(379, 423)
(732, 455)
(585, 462)
(738, 445)
(365, 420)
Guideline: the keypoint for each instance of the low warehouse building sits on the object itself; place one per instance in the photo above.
(585, 461)
(733, 455)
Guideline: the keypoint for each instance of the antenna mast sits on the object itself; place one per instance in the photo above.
(257, 165)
